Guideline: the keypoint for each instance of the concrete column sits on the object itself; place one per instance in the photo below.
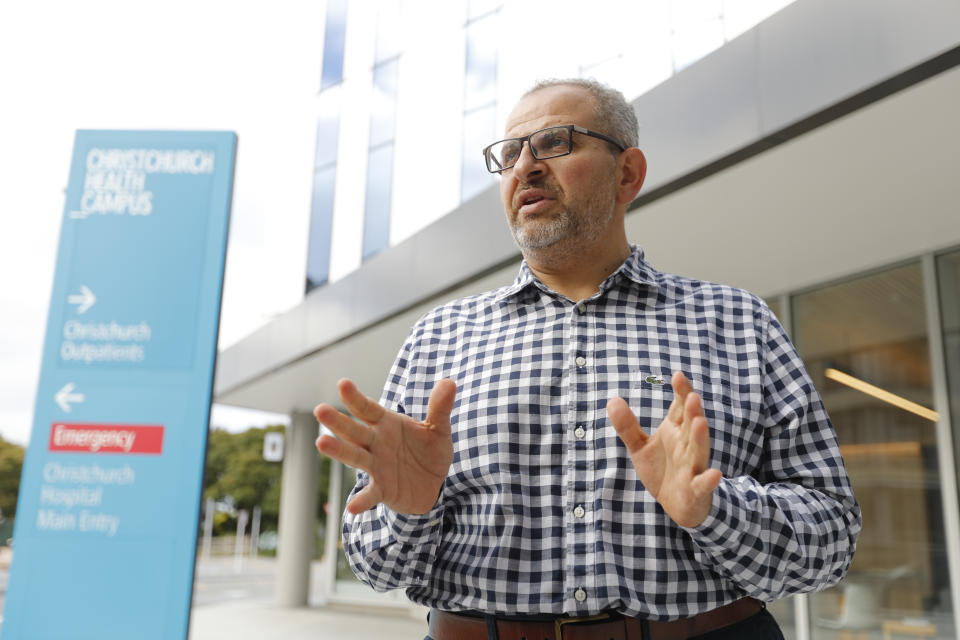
(298, 506)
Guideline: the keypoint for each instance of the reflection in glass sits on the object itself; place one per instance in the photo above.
(478, 130)
(376, 217)
(383, 107)
(873, 329)
(328, 128)
(948, 276)
(321, 224)
(480, 81)
(334, 36)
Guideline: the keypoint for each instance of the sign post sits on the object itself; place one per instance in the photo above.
(105, 535)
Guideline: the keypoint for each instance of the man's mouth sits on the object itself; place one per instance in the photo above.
(531, 203)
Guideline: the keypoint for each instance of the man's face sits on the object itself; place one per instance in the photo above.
(561, 203)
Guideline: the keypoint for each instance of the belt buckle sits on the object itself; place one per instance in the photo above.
(559, 623)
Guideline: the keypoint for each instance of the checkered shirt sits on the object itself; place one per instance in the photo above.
(542, 511)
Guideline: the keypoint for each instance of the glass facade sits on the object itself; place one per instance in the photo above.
(320, 236)
(865, 344)
(479, 130)
(453, 70)
(334, 39)
(948, 276)
(324, 181)
(321, 219)
(479, 95)
(383, 131)
(376, 219)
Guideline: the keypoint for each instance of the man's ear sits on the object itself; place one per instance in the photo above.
(632, 169)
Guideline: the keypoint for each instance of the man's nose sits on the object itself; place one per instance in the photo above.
(527, 165)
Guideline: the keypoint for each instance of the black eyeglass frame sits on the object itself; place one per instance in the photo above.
(570, 129)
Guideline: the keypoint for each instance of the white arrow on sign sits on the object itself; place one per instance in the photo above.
(84, 300)
(66, 395)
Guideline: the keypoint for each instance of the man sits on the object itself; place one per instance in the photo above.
(599, 450)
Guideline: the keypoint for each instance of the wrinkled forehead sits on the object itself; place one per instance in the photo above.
(560, 104)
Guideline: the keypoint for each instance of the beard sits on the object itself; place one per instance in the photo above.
(578, 224)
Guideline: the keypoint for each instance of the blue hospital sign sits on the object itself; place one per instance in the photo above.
(105, 534)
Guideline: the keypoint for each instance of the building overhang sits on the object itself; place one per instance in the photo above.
(707, 133)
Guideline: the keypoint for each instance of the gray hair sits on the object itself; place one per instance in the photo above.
(612, 110)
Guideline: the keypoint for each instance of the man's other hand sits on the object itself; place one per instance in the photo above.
(407, 460)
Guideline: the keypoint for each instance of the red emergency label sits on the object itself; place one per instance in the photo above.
(106, 438)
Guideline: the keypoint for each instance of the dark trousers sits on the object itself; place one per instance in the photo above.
(760, 626)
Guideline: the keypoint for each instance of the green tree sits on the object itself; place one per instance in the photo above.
(11, 464)
(236, 471)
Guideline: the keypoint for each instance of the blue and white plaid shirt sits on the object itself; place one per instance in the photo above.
(542, 510)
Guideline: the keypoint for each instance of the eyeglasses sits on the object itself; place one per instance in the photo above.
(551, 142)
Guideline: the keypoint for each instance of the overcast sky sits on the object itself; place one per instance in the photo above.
(110, 64)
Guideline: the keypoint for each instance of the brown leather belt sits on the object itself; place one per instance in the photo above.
(445, 625)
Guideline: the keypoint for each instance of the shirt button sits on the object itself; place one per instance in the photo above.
(579, 512)
(581, 308)
(581, 361)
(580, 432)
(580, 595)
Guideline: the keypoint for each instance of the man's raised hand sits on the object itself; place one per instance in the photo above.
(672, 463)
(407, 460)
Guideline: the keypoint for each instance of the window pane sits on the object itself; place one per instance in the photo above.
(334, 36)
(328, 128)
(376, 218)
(383, 107)
(873, 330)
(480, 82)
(321, 222)
(478, 132)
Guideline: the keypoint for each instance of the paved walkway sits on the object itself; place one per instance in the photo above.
(239, 620)
(237, 603)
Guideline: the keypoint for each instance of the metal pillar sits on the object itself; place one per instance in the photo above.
(941, 402)
(298, 505)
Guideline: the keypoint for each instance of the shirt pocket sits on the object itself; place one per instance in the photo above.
(736, 444)
(650, 398)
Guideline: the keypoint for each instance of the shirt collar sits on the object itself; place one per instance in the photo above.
(634, 268)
